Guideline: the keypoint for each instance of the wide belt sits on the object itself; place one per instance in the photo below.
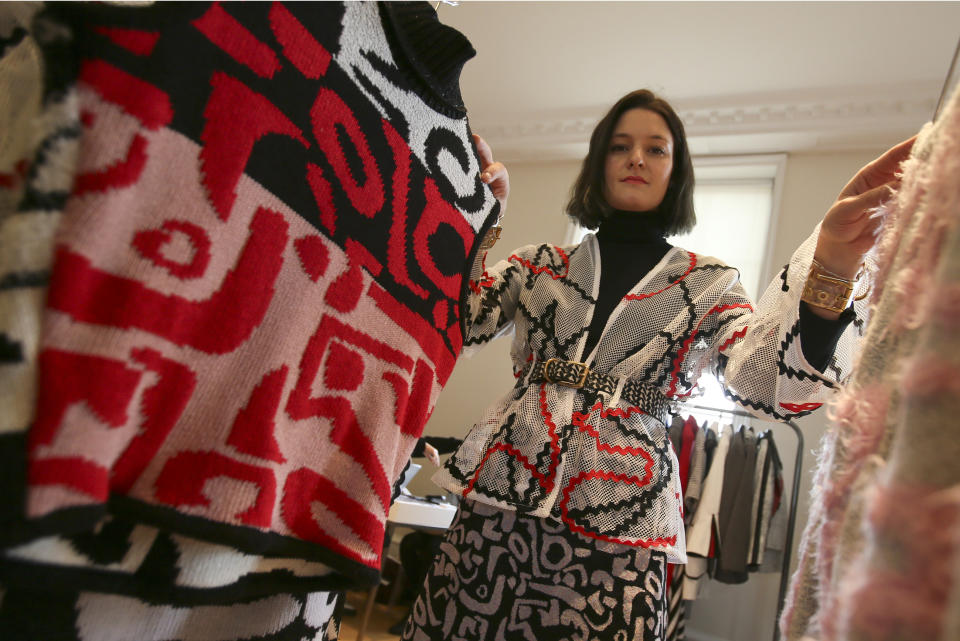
(578, 375)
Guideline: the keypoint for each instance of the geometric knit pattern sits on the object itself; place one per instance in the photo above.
(30, 614)
(256, 279)
(600, 463)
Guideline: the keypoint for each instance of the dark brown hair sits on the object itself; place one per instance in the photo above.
(587, 204)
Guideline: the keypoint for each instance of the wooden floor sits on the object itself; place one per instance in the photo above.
(381, 618)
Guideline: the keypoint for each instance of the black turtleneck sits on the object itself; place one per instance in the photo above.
(632, 243)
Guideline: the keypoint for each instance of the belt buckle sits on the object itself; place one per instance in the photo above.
(576, 385)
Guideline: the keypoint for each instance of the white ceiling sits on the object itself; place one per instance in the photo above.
(746, 77)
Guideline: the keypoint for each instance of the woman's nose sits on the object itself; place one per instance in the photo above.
(636, 159)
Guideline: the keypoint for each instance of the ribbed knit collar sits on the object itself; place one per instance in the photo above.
(632, 227)
(435, 51)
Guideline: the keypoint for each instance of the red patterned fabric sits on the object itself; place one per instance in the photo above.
(255, 294)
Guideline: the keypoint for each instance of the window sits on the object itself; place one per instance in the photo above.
(735, 200)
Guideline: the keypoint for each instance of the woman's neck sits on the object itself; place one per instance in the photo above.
(632, 227)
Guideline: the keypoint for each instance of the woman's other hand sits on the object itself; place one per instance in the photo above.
(493, 173)
(849, 229)
(432, 454)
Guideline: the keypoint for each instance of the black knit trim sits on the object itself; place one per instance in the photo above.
(435, 52)
(77, 520)
(9, 42)
(69, 521)
(25, 279)
(11, 350)
(38, 576)
(246, 539)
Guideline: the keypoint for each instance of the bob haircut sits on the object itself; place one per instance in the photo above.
(587, 204)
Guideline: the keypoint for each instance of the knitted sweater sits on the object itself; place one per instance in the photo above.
(878, 559)
(596, 460)
(256, 282)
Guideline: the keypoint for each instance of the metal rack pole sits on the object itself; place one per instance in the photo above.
(794, 493)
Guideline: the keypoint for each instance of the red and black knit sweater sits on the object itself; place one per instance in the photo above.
(255, 294)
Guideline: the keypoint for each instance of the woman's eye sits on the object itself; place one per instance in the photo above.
(618, 148)
(659, 151)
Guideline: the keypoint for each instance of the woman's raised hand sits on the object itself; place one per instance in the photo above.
(493, 173)
(849, 229)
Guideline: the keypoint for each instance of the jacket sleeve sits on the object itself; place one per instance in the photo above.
(757, 353)
(493, 298)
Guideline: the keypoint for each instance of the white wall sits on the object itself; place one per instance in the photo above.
(538, 192)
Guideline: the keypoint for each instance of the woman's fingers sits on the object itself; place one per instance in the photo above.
(880, 171)
(854, 208)
(850, 228)
(493, 173)
(483, 150)
(850, 223)
(491, 170)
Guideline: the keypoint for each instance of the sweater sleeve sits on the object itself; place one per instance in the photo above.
(819, 336)
(759, 353)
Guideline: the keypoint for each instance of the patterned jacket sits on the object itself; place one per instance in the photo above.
(600, 459)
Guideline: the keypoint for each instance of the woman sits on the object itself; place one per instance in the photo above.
(572, 505)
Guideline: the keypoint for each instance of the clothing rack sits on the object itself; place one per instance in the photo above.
(794, 493)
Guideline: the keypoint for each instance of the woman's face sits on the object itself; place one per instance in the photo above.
(639, 161)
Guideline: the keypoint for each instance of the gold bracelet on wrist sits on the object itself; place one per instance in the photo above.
(491, 237)
(827, 290)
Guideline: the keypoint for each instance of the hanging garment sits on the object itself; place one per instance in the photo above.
(710, 447)
(676, 608)
(257, 274)
(769, 544)
(878, 553)
(685, 454)
(733, 519)
(763, 499)
(676, 433)
(252, 249)
(698, 469)
(756, 519)
(703, 531)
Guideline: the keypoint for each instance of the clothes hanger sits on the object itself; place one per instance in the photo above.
(953, 75)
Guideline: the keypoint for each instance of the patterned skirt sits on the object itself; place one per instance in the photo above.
(502, 575)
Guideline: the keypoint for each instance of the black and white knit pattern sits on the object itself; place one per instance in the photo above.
(38, 151)
(52, 615)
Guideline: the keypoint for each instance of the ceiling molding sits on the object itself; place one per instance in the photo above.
(823, 120)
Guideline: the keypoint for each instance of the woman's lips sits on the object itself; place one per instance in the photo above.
(634, 179)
